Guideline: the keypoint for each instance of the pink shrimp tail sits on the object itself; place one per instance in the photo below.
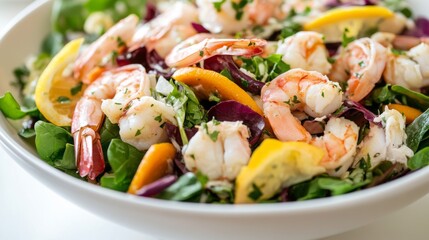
(89, 154)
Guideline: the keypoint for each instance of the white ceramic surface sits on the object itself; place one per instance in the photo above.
(309, 219)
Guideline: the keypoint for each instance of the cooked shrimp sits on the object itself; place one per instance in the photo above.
(199, 47)
(402, 70)
(294, 91)
(400, 42)
(113, 40)
(313, 93)
(361, 64)
(229, 17)
(305, 50)
(339, 141)
(127, 83)
(166, 30)
(385, 143)
(218, 150)
(141, 125)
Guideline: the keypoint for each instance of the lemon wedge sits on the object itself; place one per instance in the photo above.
(57, 92)
(356, 20)
(274, 165)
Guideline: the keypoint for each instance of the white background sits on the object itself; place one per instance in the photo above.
(28, 210)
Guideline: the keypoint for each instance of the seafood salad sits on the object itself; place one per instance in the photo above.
(229, 101)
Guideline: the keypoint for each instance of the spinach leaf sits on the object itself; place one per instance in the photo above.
(307, 190)
(339, 187)
(416, 99)
(186, 187)
(383, 95)
(11, 108)
(21, 75)
(417, 130)
(108, 132)
(110, 6)
(124, 160)
(53, 43)
(108, 180)
(419, 160)
(67, 162)
(69, 15)
(51, 141)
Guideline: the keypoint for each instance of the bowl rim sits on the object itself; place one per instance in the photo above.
(362, 197)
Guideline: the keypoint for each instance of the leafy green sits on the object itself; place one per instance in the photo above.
(21, 74)
(416, 130)
(68, 15)
(239, 8)
(71, 15)
(189, 112)
(290, 29)
(108, 180)
(394, 93)
(398, 6)
(11, 108)
(419, 160)
(265, 69)
(136, 7)
(414, 98)
(53, 43)
(186, 187)
(108, 132)
(67, 162)
(323, 185)
(51, 141)
(124, 160)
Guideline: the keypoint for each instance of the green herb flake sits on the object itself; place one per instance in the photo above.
(397, 52)
(256, 193)
(346, 39)
(63, 100)
(218, 5)
(120, 42)
(158, 118)
(76, 89)
(138, 132)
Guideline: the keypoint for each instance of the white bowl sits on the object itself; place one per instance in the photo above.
(174, 220)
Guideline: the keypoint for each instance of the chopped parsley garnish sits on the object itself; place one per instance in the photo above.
(201, 53)
(76, 89)
(239, 8)
(397, 52)
(256, 193)
(346, 39)
(63, 99)
(362, 64)
(291, 102)
(120, 42)
(158, 118)
(213, 135)
(138, 133)
(218, 5)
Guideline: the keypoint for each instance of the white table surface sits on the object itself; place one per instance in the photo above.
(29, 210)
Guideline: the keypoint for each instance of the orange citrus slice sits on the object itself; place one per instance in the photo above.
(207, 82)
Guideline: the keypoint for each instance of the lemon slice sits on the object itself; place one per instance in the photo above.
(357, 20)
(275, 164)
(57, 92)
